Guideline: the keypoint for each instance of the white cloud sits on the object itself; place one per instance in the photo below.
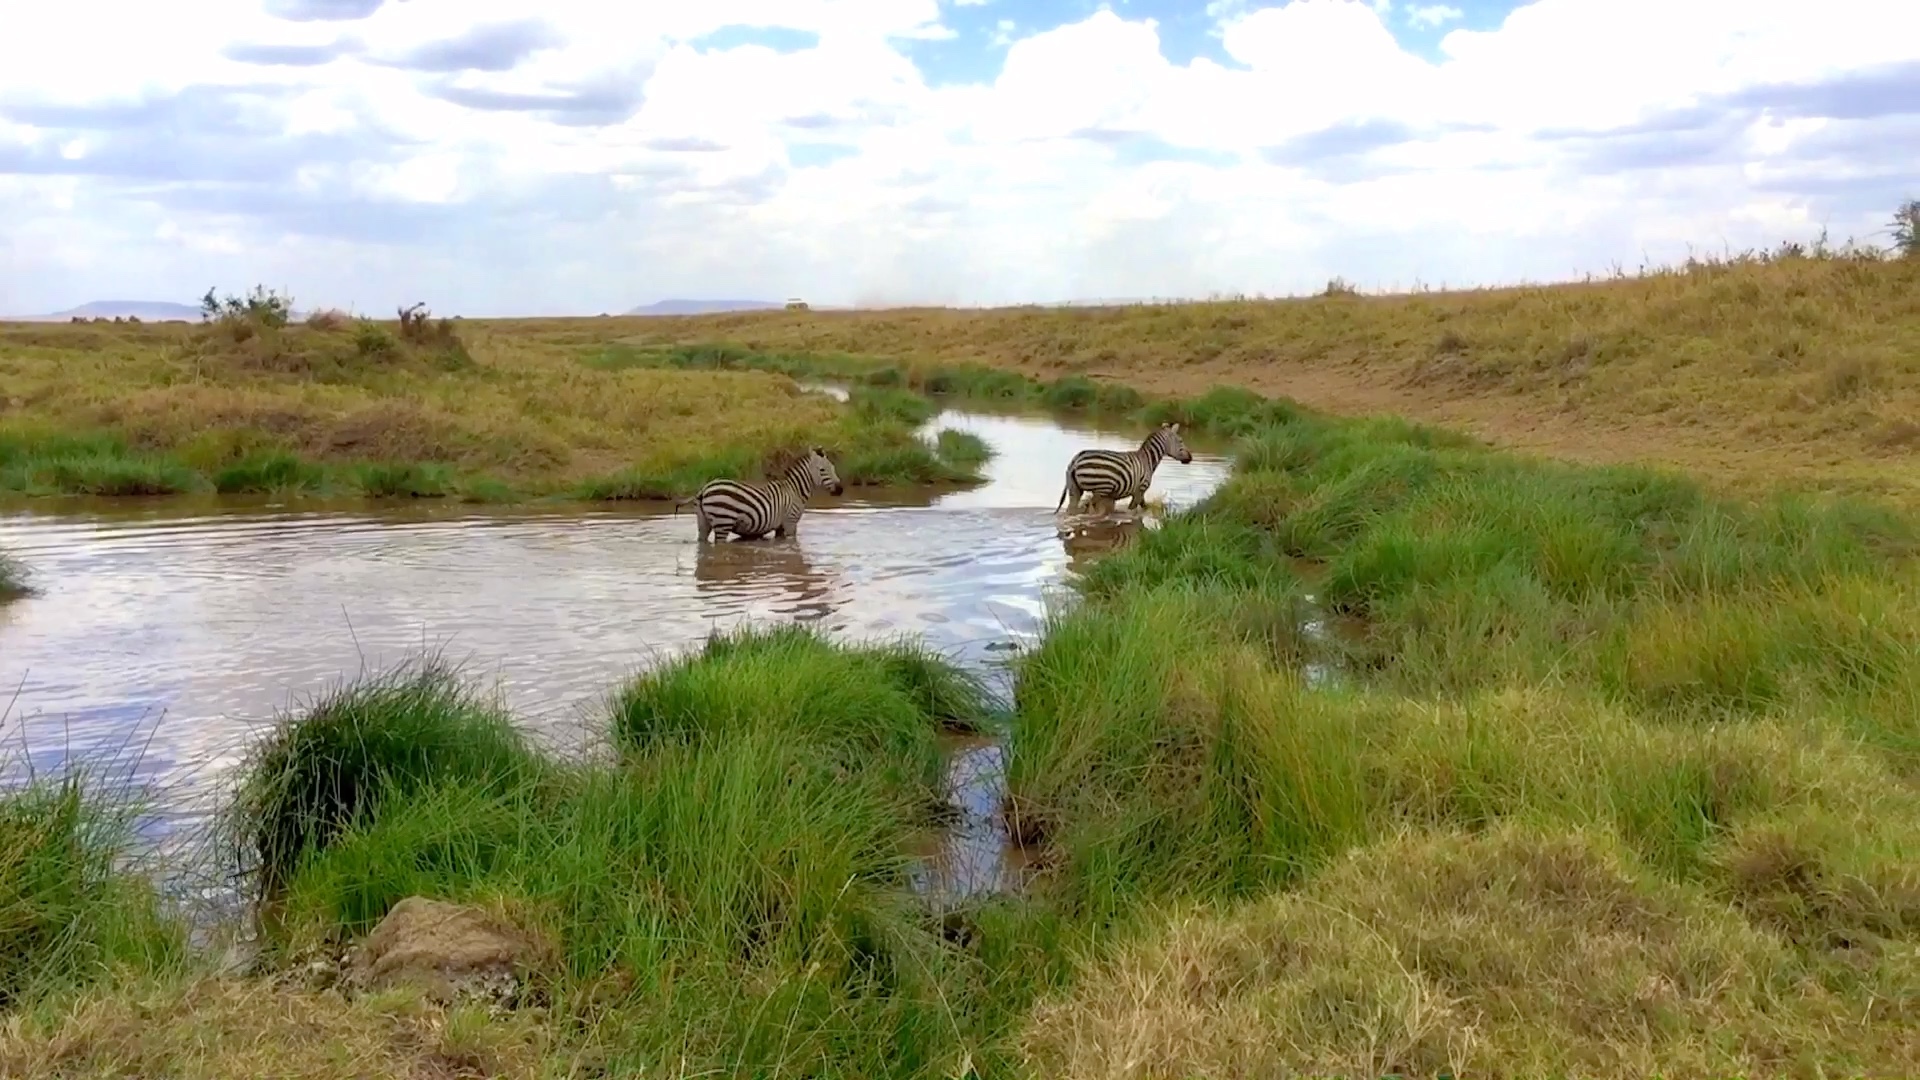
(507, 155)
(1434, 14)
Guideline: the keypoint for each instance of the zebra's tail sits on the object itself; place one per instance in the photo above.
(678, 503)
(1063, 500)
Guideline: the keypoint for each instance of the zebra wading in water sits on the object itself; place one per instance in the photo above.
(750, 509)
(1107, 476)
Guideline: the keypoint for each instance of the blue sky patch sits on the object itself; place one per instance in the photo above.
(812, 155)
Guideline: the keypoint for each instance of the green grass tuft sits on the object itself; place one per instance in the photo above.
(888, 404)
(732, 905)
(1160, 756)
(677, 481)
(69, 911)
(404, 480)
(342, 758)
(14, 578)
(274, 472)
(91, 466)
(963, 450)
(485, 489)
(1079, 393)
(864, 706)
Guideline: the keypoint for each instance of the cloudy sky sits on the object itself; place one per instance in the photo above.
(573, 156)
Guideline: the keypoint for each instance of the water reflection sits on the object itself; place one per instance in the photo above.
(974, 854)
(730, 572)
(1087, 539)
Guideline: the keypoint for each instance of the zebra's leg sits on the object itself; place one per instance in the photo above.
(701, 522)
(1139, 500)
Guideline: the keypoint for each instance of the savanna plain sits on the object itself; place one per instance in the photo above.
(1611, 770)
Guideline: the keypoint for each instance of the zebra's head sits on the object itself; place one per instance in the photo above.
(1171, 444)
(820, 470)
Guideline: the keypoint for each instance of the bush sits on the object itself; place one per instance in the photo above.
(262, 307)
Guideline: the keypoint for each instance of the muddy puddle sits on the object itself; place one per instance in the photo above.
(165, 636)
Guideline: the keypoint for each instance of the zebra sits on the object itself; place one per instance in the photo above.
(750, 510)
(1107, 476)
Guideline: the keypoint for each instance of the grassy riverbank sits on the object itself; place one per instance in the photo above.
(338, 406)
(1617, 778)
(1606, 774)
(1748, 371)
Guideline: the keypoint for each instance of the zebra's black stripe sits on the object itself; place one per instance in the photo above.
(1111, 475)
(750, 510)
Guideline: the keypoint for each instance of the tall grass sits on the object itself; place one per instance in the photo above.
(730, 893)
(735, 903)
(865, 707)
(71, 912)
(1155, 752)
(38, 463)
(362, 746)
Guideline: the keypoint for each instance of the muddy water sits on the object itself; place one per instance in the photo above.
(177, 632)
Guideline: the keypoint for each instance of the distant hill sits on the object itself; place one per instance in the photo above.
(704, 307)
(145, 310)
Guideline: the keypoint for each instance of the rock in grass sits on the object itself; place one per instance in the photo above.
(449, 952)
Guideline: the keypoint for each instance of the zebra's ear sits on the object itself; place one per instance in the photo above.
(819, 451)
(1174, 427)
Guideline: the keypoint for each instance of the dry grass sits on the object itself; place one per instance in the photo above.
(516, 405)
(222, 1028)
(1751, 370)
(1508, 954)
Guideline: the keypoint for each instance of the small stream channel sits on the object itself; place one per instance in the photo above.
(169, 633)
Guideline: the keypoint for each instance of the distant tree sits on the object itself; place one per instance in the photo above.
(261, 305)
(1906, 229)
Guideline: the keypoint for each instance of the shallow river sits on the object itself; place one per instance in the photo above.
(177, 633)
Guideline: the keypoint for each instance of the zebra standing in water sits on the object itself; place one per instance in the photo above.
(751, 510)
(1107, 476)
